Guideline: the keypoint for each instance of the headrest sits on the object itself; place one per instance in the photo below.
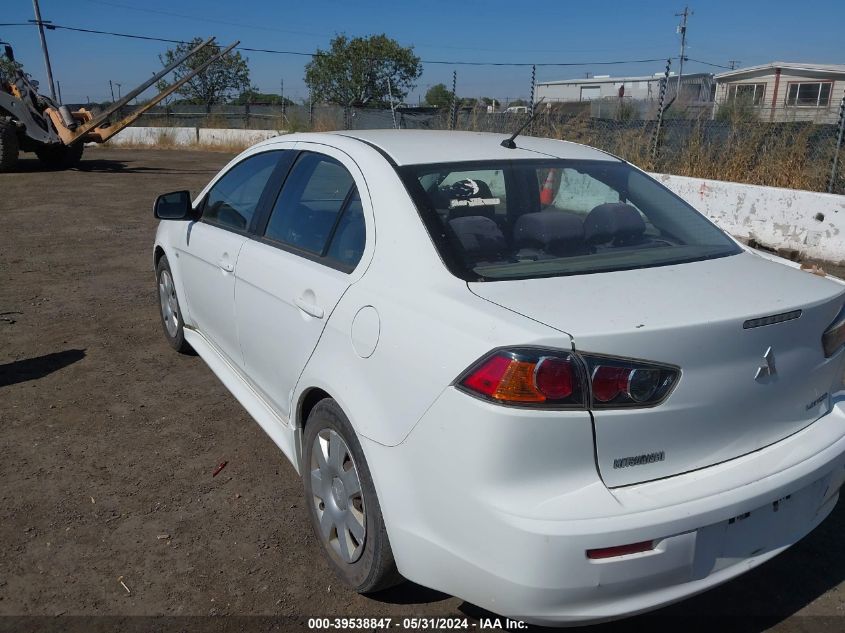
(551, 231)
(469, 197)
(615, 221)
(479, 236)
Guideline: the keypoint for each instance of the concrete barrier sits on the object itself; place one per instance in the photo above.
(212, 136)
(155, 136)
(805, 221)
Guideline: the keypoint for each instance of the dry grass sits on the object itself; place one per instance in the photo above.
(791, 155)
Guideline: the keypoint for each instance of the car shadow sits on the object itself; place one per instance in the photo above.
(104, 165)
(755, 601)
(410, 593)
(37, 367)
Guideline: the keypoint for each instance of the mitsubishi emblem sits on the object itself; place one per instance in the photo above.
(767, 367)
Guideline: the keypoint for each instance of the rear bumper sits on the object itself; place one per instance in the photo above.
(499, 506)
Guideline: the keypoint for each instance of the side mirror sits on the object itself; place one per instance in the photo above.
(174, 206)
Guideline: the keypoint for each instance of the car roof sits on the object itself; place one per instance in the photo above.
(415, 147)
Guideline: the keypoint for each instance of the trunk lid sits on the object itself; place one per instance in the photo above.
(692, 315)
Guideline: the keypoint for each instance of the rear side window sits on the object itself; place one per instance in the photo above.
(319, 211)
(347, 244)
(232, 201)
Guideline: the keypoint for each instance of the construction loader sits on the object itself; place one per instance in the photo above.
(31, 122)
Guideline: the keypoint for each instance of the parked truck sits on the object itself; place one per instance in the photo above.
(32, 122)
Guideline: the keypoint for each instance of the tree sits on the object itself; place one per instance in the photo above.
(355, 72)
(265, 98)
(8, 68)
(438, 96)
(224, 79)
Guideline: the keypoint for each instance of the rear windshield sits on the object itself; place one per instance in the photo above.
(526, 219)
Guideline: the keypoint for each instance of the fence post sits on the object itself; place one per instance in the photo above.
(392, 105)
(453, 110)
(835, 165)
(531, 101)
(655, 142)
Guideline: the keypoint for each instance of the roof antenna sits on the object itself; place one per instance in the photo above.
(508, 142)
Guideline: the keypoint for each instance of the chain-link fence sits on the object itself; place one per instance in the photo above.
(782, 147)
(797, 154)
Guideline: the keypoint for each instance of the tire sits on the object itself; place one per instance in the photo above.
(361, 558)
(60, 156)
(9, 147)
(169, 309)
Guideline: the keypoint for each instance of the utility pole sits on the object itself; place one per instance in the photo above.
(118, 90)
(682, 29)
(282, 94)
(44, 49)
(59, 89)
(111, 89)
(733, 63)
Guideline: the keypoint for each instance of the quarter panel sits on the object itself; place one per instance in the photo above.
(427, 337)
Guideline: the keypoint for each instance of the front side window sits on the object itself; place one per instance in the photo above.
(816, 94)
(526, 219)
(319, 211)
(232, 201)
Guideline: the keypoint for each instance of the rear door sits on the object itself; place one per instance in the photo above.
(291, 277)
(210, 251)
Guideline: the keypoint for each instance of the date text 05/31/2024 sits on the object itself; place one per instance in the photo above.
(414, 624)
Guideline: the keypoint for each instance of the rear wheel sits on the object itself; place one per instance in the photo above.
(342, 502)
(60, 156)
(9, 147)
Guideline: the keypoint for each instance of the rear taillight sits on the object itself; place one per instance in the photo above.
(555, 378)
(528, 377)
(617, 382)
(834, 337)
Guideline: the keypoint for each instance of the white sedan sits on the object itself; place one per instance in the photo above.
(525, 374)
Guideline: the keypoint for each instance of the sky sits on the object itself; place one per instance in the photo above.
(749, 31)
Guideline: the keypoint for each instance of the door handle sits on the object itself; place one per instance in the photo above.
(309, 308)
(226, 265)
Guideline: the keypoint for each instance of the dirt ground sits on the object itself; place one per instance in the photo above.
(109, 440)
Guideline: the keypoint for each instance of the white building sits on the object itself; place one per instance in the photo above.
(785, 91)
(695, 87)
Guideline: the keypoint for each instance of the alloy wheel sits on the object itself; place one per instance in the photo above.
(169, 303)
(337, 498)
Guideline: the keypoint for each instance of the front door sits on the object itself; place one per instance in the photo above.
(213, 244)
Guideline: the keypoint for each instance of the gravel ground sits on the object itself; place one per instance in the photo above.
(109, 441)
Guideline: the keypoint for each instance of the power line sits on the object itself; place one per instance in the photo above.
(698, 61)
(318, 54)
